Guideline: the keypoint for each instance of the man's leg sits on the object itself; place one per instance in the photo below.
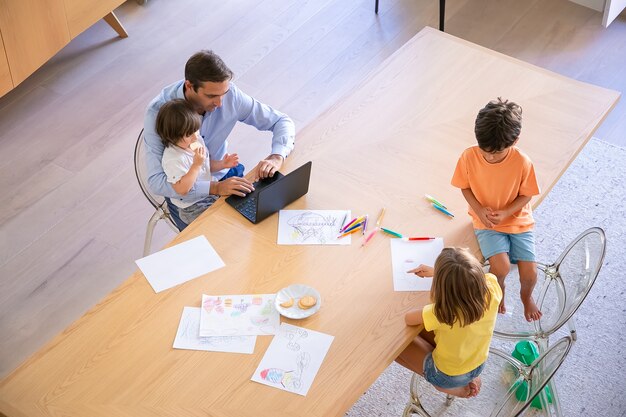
(174, 214)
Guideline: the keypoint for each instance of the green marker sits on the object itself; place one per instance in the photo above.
(391, 232)
(432, 200)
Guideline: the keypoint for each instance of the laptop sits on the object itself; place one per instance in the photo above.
(272, 194)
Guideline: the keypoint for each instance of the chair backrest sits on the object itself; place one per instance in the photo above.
(141, 173)
(577, 269)
(533, 378)
(564, 286)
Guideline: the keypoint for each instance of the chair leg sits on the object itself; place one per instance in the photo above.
(442, 13)
(376, 7)
(414, 406)
(156, 216)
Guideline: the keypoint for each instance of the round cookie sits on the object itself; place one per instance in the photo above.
(307, 302)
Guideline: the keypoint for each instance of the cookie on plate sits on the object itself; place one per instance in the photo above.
(287, 304)
(307, 302)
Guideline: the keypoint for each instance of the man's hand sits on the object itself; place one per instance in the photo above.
(234, 185)
(268, 166)
(422, 271)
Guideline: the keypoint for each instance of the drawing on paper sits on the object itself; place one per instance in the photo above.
(288, 379)
(294, 336)
(240, 315)
(310, 227)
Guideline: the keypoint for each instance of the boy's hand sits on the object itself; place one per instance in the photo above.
(199, 156)
(422, 271)
(497, 216)
(230, 160)
(484, 216)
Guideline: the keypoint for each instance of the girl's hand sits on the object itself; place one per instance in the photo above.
(199, 156)
(230, 160)
(422, 271)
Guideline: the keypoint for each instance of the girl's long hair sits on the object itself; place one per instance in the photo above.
(459, 291)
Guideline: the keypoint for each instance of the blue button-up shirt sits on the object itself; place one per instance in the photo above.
(215, 128)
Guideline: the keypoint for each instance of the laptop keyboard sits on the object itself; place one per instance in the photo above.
(248, 208)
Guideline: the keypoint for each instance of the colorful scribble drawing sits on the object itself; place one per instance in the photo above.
(211, 304)
(290, 380)
(313, 226)
(239, 309)
(294, 336)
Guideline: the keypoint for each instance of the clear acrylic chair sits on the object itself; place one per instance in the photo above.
(561, 288)
(503, 378)
(161, 212)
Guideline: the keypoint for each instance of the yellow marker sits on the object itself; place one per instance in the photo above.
(380, 217)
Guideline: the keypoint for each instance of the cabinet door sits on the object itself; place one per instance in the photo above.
(33, 31)
(81, 14)
(6, 84)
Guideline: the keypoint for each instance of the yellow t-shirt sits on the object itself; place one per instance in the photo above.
(497, 185)
(462, 349)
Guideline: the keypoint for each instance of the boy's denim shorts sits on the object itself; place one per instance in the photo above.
(519, 246)
(441, 380)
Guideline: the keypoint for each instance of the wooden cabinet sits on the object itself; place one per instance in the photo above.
(6, 83)
(81, 14)
(34, 30)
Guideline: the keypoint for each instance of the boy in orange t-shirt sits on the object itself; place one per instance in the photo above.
(498, 182)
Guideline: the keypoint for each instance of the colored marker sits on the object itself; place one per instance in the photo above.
(418, 238)
(354, 226)
(432, 200)
(380, 217)
(348, 233)
(345, 216)
(370, 236)
(365, 224)
(391, 232)
(352, 223)
(443, 210)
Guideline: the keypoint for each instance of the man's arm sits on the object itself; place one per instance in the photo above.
(264, 117)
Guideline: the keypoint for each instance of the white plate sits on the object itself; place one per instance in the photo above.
(297, 291)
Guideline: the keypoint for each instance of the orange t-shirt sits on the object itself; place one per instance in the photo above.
(497, 185)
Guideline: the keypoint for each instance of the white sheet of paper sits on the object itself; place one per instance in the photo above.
(293, 359)
(406, 255)
(238, 315)
(187, 336)
(312, 227)
(179, 263)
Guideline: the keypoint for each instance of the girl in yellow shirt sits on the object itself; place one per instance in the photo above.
(451, 351)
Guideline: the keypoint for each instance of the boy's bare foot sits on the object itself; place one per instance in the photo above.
(502, 307)
(531, 311)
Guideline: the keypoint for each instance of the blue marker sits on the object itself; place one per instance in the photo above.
(443, 210)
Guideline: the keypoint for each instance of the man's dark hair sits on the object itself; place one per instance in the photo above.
(498, 125)
(206, 66)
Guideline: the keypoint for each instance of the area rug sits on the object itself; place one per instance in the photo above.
(592, 380)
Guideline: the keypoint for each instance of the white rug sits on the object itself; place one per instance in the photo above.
(592, 381)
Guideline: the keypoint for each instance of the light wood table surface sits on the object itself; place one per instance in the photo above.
(396, 137)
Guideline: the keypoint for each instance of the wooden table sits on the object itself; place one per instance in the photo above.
(396, 137)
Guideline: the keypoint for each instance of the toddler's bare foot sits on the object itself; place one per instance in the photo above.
(531, 311)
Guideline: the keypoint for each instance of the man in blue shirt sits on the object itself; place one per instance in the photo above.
(208, 87)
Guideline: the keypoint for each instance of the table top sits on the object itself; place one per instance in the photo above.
(393, 139)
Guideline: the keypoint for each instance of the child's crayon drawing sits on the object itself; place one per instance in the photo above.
(238, 315)
(311, 227)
